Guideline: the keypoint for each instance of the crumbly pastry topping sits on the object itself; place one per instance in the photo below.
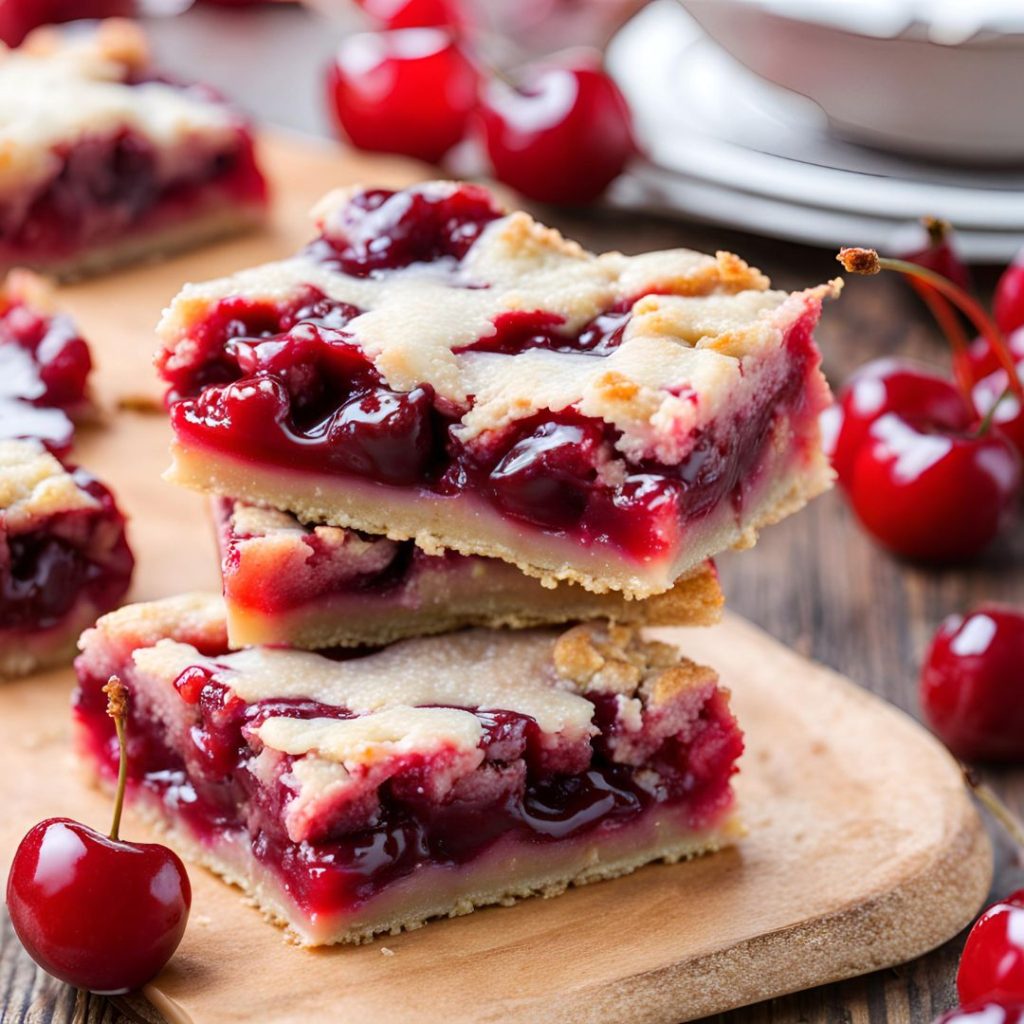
(57, 89)
(34, 485)
(617, 659)
(700, 332)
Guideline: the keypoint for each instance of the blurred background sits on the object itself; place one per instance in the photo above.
(818, 121)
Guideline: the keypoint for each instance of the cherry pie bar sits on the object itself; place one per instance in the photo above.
(436, 369)
(64, 559)
(354, 797)
(314, 587)
(104, 161)
(44, 365)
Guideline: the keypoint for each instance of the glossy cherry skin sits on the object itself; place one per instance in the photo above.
(19, 17)
(930, 495)
(1008, 415)
(410, 92)
(395, 14)
(562, 136)
(972, 689)
(981, 361)
(941, 256)
(100, 914)
(984, 1013)
(1008, 305)
(992, 963)
(880, 387)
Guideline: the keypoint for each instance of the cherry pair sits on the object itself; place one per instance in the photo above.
(930, 466)
(561, 134)
(94, 910)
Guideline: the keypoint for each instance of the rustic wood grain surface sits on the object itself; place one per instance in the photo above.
(815, 582)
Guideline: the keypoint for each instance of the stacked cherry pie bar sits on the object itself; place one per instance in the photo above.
(434, 440)
(64, 558)
(106, 160)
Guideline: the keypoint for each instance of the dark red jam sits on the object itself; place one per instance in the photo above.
(210, 786)
(77, 556)
(110, 185)
(44, 369)
(286, 386)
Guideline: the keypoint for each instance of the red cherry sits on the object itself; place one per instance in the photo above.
(410, 91)
(395, 14)
(931, 494)
(1008, 304)
(981, 360)
(882, 386)
(562, 136)
(939, 253)
(1007, 413)
(971, 688)
(984, 1013)
(19, 17)
(96, 911)
(992, 963)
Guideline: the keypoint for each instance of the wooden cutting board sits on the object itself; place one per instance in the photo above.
(863, 848)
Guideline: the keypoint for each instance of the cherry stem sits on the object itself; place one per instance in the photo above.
(117, 709)
(951, 327)
(994, 805)
(867, 261)
(986, 424)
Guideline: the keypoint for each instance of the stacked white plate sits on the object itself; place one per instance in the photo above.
(725, 146)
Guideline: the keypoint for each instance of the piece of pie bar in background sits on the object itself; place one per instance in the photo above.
(105, 161)
(432, 368)
(354, 797)
(64, 559)
(44, 365)
(324, 586)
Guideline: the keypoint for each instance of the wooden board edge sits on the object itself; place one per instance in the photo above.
(884, 931)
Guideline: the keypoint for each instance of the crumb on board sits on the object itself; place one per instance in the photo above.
(384, 951)
(140, 403)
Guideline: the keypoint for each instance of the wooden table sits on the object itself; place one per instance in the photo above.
(815, 581)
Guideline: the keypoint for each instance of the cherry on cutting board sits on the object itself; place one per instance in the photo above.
(992, 963)
(561, 134)
(96, 911)
(972, 684)
(411, 91)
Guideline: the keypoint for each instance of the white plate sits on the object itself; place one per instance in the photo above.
(724, 145)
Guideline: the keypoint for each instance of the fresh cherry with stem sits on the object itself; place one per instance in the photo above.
(929, 485)
(95, 910)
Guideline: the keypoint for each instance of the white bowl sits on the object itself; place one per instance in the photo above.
(930, 79)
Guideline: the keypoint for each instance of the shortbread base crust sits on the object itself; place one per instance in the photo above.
(436, 891)
(470, 526)
(353, 618)
(144, 245)
(25, 651)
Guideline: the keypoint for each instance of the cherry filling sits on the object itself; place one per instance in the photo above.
(44, 367)
(379, 230)
(286, 385)
(78, 556)
(108, 185)
(209, 783)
